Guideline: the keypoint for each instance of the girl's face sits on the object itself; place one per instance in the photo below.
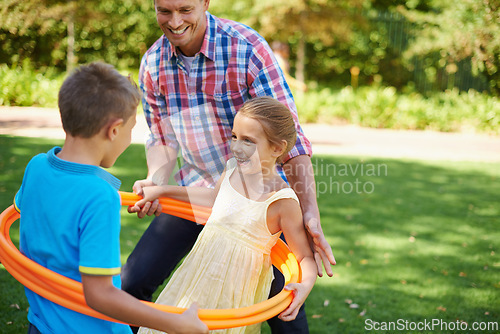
(251, 148)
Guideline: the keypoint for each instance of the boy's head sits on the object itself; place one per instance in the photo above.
(92, 96)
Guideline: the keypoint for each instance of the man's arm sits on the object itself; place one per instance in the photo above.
(300, 174)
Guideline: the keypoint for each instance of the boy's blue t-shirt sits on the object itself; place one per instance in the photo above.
(70, 224)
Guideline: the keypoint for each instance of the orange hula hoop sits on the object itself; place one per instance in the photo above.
(69, 293)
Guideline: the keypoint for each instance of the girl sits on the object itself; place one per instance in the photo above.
(230, 265)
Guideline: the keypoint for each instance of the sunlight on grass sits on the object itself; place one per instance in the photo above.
(424, 244)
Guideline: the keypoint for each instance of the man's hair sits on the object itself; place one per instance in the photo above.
(92, 95)
(275, 118)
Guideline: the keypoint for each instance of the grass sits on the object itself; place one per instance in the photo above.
(414, 240)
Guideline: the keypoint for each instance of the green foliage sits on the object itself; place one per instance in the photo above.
(456, 31)
(385, 107)
(116, 32)
(22, 85)
(431, 43)
(423, 245)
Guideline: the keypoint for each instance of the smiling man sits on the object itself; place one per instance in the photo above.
(183, 23)
(194, 79)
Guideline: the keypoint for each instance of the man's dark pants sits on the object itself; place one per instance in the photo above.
(162, 246)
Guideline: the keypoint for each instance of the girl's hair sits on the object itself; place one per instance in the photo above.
(94, 94)
(276, 120)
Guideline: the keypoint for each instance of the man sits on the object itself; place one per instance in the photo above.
(194, 79)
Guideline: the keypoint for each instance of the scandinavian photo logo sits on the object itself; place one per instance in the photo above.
(347, 178)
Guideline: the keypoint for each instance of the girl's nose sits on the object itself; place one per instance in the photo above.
(236, 146)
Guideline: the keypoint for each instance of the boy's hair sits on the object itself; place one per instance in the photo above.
(92, 95)
(275, 118)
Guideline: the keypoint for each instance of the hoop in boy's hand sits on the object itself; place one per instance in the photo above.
(69, 293)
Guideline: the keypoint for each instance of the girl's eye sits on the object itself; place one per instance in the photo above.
(248, 142)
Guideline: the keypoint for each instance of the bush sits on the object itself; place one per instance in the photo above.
(25, 86)
(385, 107)
(369, 106)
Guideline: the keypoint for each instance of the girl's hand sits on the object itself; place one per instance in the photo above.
(300, 293)
(149, 205)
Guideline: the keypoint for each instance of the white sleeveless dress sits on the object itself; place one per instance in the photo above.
(230, 264)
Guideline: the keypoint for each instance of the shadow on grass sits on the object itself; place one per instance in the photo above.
(413, 240)
(420, 243)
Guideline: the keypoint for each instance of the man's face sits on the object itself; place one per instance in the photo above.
(183, 22)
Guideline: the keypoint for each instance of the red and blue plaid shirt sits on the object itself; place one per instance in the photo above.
(194, 111)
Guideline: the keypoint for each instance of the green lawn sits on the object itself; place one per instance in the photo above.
(414, 240)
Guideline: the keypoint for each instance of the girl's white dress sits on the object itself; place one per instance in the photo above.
(229, 265)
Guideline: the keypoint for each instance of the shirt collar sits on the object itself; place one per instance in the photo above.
(209, 41)
(73, 167)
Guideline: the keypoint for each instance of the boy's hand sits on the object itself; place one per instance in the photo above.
(191, 322)
(300, 293)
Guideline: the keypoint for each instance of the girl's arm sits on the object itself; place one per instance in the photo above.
(195, 195)
(288, 215)
(102, 296)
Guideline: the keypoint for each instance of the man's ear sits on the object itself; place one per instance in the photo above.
(206, 4)
(113, 128)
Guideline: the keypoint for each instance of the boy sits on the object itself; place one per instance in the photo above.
(70, 210)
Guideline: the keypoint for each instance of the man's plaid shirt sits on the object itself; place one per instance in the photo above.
(194, 111)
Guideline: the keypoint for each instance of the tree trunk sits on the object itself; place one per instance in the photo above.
(301, 60)
(70, 55)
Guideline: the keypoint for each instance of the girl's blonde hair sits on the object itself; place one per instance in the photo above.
(276, 120)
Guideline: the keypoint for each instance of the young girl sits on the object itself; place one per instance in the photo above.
(230, 265)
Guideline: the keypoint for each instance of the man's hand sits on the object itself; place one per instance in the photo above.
(321, 248)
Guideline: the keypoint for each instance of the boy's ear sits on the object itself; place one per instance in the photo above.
(114, 128)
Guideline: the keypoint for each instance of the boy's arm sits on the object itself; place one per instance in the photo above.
(104, 297)
(290, 221)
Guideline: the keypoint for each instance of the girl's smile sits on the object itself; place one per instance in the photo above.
(251, 148)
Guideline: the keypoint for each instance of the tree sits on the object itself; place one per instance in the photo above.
(22, 18)
(298, 22)
(457, 31)
(49, 32)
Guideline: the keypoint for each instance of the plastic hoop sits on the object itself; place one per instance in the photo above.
(69, 293)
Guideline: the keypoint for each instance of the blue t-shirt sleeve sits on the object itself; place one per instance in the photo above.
(100, 235)
(17, 200)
